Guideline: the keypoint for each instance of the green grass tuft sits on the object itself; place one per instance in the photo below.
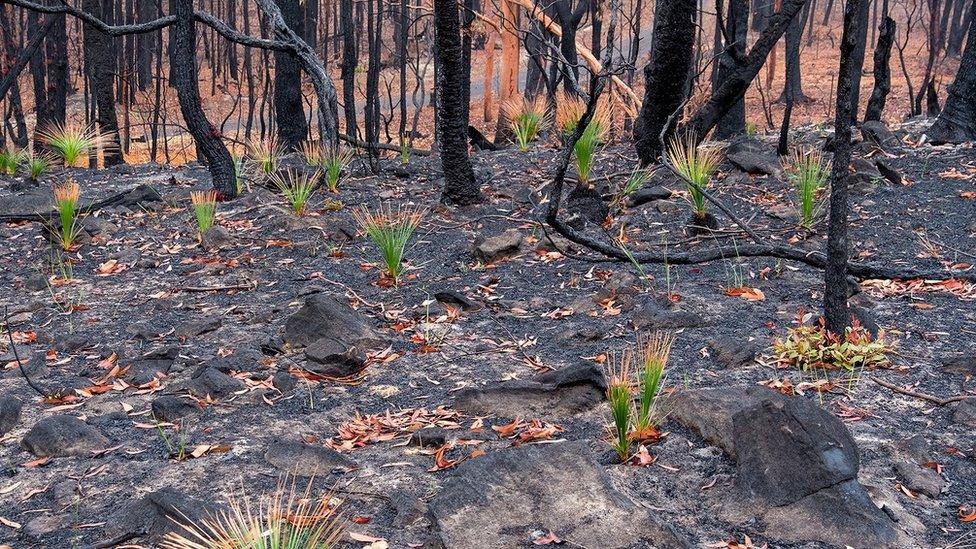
(390, 231)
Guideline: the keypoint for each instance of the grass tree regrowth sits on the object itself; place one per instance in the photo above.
(390, 231)
(297, 188)
(696, 165)
(808, 172)
(527, 118)
(204, 209)
(66, 197)
(73, 142)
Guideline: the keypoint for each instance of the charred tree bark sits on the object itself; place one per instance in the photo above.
(734, 87)
(882, 70)
(100, 61)
(959, 25)
(289, 109)
(858, 58)
(957, 121)
(794, 74)
(569, 21)
(734, 121)
(666, 76)
(207, 137)
(460, 186)
(371, 118)
(26, 55)
(348, 67)
(836, 312)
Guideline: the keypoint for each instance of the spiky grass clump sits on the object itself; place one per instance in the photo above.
(36, 165)
(9, 159)
(594, 135)
(289, 518)
(266, 154)
(620, 396)
(66, 203)
(297, 188)
(72, 142)
(696, 165)
(527, 118)
(390, 231)
(654, 350)
(334, 162)
(311, 152)
(204, 209)
(240, 178)
(569, 110)
(808, 171)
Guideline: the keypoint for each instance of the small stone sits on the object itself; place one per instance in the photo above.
(216, 238)
(734, 351)
(965, 413)
(10, 407)
(331, 357)
(284, 382)
(960, 365)
(211, 382)
(171, 409)
(307, 460)
(648, 194)
(198, 326)
(498, 247)
(457, 300)
(920, 479)
(61, 436)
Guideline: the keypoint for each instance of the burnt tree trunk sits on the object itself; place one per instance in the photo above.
(289, 110)
(100, 61)
(957, 121)
(794, 75)
(371, 117)
(734, 87)
(858, 57)
(348, 67)
(959, 25)
(184, 70)
(882, 70)
(734, 121)
(146, 45)
(569, 21)
(460, 186)
(836, 313)
(666, 76)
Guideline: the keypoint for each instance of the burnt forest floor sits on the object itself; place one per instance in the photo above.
(140, 286)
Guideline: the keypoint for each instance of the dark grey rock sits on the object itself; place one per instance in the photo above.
(754, 157)
(61, 436)
(494, 248)
(560, 393)
(332, 357)
(709, 412)
(155, 363)
(306, 460)
(644, 195)
(457, 300)
(431, 437)
(284, 382)
(652, 316)
(920, 479)
(217, 238)
(800, 464)
(888, 171)
(208, 381)
(879, 134)
(734, 351)
(198, 326)
(326, 316)
(171, 409)
(10, 407)
(158, 513)
(507, 495)
(960, 365)
(787, 449)
(965, 412)
(588, 204)
(864, 176)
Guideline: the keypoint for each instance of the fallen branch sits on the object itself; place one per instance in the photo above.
(135, 196)
(13, 348)
(931, 398)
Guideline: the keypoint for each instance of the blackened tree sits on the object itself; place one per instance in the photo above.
(882, 70)
(957, 121)
(460, 186)
(100, 65)
(736, 31)
(672, 60)
(289, 110)
(836, 312)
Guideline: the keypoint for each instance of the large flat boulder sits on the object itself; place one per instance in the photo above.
(325, 316)
(505, 498)
(62, 436)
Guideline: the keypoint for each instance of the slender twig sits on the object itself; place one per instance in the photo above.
(13, 347)
(931, 398)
